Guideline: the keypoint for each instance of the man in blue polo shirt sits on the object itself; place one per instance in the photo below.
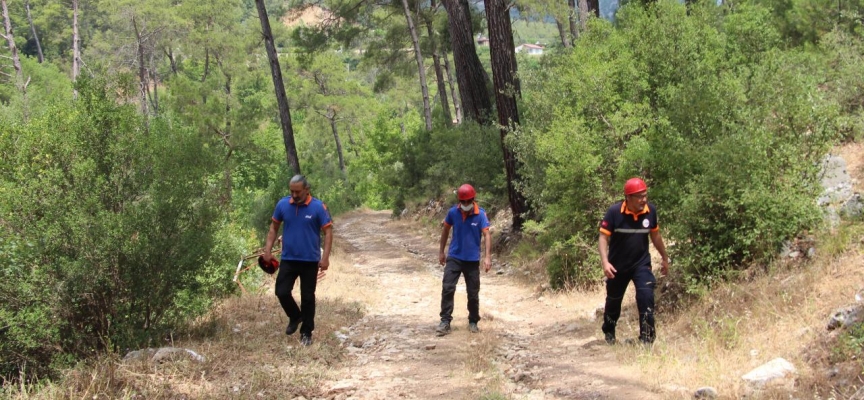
(623, 246)
(469, 222)
(306, 219)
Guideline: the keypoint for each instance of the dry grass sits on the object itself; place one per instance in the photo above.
(739, 326)
(247, 353)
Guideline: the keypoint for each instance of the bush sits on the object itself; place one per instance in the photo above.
(119, 220)
(726, 127)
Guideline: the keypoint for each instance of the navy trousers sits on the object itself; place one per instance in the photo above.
(307, 271)
(452, 270)
(644, 282)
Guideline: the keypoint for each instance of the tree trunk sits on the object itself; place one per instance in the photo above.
(331, 116)
(584, 10)
(228, 179)
(33, 31)
(563, 34)
(572, 13)
(439, 75)
(142, 71)
(507, 89)
(424, 89)
(206, 65)
(351, 141)
(476, 103)
(173, 62)
(279, 86)
(594, 7)
(456, 105)
(76, 40)
(155, 101)
(10, 40)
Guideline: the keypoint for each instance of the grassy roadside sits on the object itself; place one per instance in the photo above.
(781, 312)
(247, 354)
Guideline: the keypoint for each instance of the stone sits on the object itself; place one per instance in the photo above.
(846, 316)
(774, 370)
(706, 392)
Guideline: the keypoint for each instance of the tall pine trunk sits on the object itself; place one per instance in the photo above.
(424, 88)
(507, 89)
(456, 105)
(439, 74)
(142, 69)
(476, 103)
(563, 34)
(331, 117)
(279, 86)
(33, 31)
(10, 40)
(76, 42)
(572, 13)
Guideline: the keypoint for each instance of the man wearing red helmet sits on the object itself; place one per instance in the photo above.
(469, 223)
(623, 246)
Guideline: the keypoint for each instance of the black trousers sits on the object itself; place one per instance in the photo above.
(644, 282)
(452, 270)
(307, 271)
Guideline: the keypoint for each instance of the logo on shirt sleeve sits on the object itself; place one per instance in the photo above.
(604, 223)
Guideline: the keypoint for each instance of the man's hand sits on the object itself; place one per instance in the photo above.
(609, 270)
(664, 267)
(324, 263)
(441, 258)
(487, 264)
(268, 257)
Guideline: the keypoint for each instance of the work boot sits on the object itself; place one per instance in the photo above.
(443, 328)
(610, 338)
(472, 327)
(292, 326)
(306, 339)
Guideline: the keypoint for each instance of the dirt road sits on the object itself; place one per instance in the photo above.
(530, 346)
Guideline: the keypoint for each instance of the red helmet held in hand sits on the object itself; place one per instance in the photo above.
(466, 192)
(268, 268)
(634, 185)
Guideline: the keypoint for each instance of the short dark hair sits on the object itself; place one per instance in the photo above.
(301, 179)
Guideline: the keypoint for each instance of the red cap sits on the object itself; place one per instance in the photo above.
(634, 185)
(466, 192)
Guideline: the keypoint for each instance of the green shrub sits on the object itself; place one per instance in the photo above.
(726, 126)
(121, 221)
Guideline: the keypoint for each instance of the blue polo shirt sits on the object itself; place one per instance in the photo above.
(301, 230)
(467, 231)
(628, 235)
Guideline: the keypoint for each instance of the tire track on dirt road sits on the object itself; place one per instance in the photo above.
(528, 348)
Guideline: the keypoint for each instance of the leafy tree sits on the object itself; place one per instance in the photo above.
(697, 103)
(125, 261)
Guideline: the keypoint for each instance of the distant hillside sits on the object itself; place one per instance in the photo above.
(308, 16)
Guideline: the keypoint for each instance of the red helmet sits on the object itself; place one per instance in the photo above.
(634, 185)
(268, 268)
(466, 192)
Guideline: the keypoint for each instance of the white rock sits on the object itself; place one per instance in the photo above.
(777, 368)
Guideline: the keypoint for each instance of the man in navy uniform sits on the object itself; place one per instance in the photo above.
(306, 219)
(469, 223)
(623, 246)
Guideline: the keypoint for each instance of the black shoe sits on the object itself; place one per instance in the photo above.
(292, 326)
(306, 339)
(443, 328)
(610, 338)
(472, 327)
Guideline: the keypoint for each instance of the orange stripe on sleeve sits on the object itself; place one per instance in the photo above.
(329, 225)
(657, 228)
(605, 232)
